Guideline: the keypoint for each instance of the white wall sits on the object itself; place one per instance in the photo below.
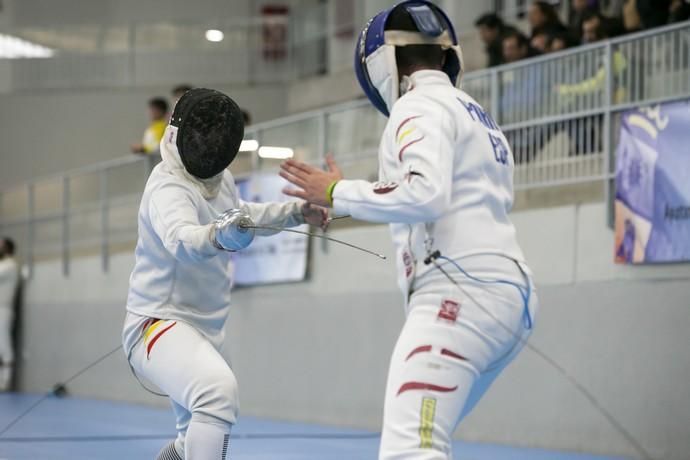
(45, 132)
(318, 350)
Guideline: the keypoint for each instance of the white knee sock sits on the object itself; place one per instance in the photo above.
(207, 439)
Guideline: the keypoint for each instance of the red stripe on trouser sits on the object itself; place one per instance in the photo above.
(155, 339)
(409, 386)
(447, 352)
(422, 349)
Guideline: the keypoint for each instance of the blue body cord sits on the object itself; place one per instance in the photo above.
(525, 292)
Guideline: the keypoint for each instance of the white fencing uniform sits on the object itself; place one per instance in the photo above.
(179, 297)
(9, 277)
(445, 183)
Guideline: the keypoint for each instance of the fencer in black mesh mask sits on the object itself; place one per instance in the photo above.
(203, 137)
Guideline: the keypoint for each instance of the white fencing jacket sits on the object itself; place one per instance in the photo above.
(445, 181)
(178, 274)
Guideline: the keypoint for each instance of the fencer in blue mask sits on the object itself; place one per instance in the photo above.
(446, 188)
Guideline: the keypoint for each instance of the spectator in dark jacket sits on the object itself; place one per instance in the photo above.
(579, 10)
(679, 10)
(653, 13)
(491, 30)
(516, 46)
(542, 16)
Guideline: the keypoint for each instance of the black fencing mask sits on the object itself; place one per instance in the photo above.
(210, 129)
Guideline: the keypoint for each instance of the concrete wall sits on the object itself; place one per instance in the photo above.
(318, 350)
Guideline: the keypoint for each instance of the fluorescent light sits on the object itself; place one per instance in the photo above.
(249, 145)
(12, 47)
(214, 35)
(278, 153)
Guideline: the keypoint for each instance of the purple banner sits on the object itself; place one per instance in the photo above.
(653, 185)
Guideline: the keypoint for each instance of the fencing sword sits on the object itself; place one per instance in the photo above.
(315, 235)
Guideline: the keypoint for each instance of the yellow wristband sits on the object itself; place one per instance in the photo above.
(329, 192)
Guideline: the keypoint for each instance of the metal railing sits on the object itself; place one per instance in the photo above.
(559, 111)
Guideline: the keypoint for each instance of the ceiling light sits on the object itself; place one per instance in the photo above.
(249, 145)
(214, 35)
(12, 47)
(278, 153)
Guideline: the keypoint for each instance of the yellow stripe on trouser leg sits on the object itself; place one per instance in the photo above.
(150, 330)
(426, 427)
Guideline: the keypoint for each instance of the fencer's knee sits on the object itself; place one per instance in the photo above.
(217, 398)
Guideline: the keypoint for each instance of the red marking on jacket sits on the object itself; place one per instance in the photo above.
(382, 189)
(409, 386)
(447, 352)
(449, 310)
(404, 122)
(402, 150)
(422, 349)
(158, 336)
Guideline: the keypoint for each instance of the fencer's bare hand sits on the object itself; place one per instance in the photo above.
(313, 182)
(315, 215)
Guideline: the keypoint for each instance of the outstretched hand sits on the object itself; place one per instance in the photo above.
(313, 183)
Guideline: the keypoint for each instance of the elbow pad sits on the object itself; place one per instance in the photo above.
(232, 230)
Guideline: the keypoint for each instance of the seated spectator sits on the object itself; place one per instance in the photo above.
(542, 16)
(653, 13)
(594, 30)
(516, 46)
(631, 16)
(179, 90)
(584, 135)
(612, 8)
(595, 24)
(491, 30)
(158, 114)
(540, 41)
(580, 8)
(679, 10)
(559, 41)
(521, 93)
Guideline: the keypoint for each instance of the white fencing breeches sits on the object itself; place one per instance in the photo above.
(448, 354)
(185, 365)
(6, 350)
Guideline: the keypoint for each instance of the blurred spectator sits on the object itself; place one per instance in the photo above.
(516, 46)
(542, 16)
(580, 8)
(9, 282)
(679, 10)
(631, 16)
(522, 94)
(540, 41)
(179, 90)
(585, 133)
(491, 31)
(653, 13)
(594, 30)
(158, 114)
(559, 41)
(612, 8)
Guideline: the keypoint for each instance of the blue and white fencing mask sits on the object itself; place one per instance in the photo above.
(375, 64)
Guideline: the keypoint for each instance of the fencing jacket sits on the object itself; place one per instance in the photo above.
(178, 273)
(445, 181)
